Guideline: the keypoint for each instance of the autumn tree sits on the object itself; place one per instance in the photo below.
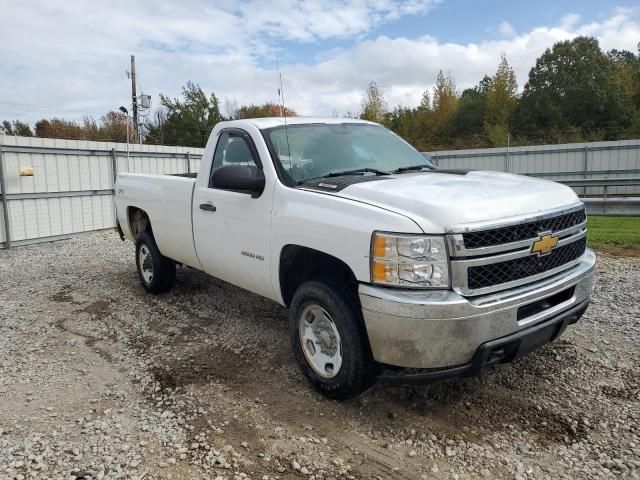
(374, 106)
(501, 99)
(268, 109)
(58, 128)
(445, 102)
(113, 128)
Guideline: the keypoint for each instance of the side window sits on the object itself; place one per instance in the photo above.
(232, 149)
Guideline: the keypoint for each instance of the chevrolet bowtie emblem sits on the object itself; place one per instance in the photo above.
(545, 244)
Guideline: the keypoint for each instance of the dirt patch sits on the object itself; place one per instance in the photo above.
(620, 252)
(64, 296)
(99, 309)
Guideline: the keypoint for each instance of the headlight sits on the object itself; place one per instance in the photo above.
(412, 261)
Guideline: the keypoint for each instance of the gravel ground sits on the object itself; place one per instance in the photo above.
(101, 380)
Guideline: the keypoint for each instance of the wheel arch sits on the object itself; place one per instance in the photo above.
(138, 221)
(299, 264)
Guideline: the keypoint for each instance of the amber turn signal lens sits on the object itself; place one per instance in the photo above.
(380, 247)
(379, 272)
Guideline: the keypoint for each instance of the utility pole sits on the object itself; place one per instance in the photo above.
(134, 99)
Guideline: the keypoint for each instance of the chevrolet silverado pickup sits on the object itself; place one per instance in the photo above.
(391, 267)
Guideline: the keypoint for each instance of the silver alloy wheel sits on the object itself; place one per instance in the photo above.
(320, 341)
(146, 265)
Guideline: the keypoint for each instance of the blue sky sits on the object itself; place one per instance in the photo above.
(465, 21)
(460, 21)
(68, 57)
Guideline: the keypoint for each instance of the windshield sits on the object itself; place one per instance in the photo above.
(318, 150)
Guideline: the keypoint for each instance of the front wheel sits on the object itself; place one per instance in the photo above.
(157, 272)
(329, 340)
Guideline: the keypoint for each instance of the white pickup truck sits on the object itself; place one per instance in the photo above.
(391, 268)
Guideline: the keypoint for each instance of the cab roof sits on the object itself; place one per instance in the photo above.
(270, 122)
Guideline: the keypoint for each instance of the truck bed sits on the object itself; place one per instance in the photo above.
(167, 201)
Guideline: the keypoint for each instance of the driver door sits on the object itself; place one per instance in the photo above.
(232, 229)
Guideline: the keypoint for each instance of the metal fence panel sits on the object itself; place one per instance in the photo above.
(71, 189)
(571, 161)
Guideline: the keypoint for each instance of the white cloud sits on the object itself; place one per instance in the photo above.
(317, 19)
(69, 56)
(569, 21)
(506, 29)
(404, 68)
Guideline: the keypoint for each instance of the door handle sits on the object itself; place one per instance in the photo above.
(207, 207)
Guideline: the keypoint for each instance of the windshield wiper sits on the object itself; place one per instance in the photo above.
(411, 168)
(356, 170)
(347, 172)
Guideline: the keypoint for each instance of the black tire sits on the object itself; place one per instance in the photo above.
(163, 269)
(358, 370)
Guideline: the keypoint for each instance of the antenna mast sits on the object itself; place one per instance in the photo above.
(283, 109)
(279, 79)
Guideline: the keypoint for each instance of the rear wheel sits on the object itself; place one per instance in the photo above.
(157, 273)
(329, 340)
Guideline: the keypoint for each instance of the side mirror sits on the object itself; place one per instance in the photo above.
(239, 178)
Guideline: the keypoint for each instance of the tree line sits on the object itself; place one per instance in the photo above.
(575, 92)
(111, 127)
(185, 121)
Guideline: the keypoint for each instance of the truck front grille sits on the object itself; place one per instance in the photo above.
(523, 231)
(487, 258)
(483, 276)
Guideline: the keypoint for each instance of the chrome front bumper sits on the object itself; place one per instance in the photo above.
(440, 329)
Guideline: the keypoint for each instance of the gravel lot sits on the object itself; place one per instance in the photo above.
(101, 380)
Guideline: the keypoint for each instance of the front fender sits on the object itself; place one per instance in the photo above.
(334, 225)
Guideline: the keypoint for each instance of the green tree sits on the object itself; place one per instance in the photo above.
(404, 121)
(468, 121)
(572, 86)
(374, 106)
(425, 102)
(626, 67)
(187, 121)
(16, 127)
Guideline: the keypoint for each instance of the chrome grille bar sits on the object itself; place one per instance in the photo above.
(507, 265)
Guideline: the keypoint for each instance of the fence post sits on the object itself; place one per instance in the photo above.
(188, 162)
(585, 167)
(506, 153)
(5, 209)
(114, 166)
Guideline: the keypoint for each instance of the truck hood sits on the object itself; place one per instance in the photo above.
(441, 202)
